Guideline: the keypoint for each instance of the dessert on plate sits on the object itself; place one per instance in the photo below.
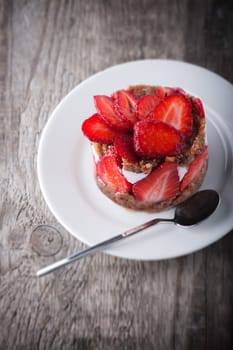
(149, 146)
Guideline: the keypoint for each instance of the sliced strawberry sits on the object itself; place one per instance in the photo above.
(164, 91)
(161, 184)
(175, 110)
(177, 90)
(125, 104)
(124, 147)
(105, 107)
(198, 106)
(145, 106)
(156, 139)
(114, 95)
(194, 168)
(96, 130)
(110, 151)
(108, 171)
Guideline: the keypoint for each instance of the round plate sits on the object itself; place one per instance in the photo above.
(65, 168)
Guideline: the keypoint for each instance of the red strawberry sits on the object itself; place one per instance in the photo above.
(175, 110)
(161, 184)
(105, 107)
(164, 91)
(96, 130)
(145, 105)
(108, 171)
(124, 147)
(198, 106)
(177, 90)
(156, 139)
(110, 151)
(125, 104)
(194, 168)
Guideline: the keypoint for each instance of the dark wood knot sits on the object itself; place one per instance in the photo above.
(46, 240)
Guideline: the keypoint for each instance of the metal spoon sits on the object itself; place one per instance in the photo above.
(193, 210)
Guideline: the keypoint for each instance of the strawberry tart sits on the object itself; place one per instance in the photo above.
(149, 146)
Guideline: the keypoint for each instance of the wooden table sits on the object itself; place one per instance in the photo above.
(102, 302)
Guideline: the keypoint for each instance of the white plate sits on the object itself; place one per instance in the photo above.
(65, 167)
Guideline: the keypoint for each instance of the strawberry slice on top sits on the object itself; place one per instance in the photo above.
(198, 106)
(156, 139)
(125, 104)
(161, 184)
(175, 110)
(106, 109)
(194, 168)
(164, 91)
(146, 105)
(108, 170)
(96, 130)
(124, 147)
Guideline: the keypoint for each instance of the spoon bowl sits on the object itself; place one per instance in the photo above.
(197, 208)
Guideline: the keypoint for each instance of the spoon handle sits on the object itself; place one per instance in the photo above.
(98, 246)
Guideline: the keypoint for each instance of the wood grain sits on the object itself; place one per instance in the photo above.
(102, 302)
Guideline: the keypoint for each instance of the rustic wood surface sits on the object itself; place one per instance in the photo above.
(47, 48)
